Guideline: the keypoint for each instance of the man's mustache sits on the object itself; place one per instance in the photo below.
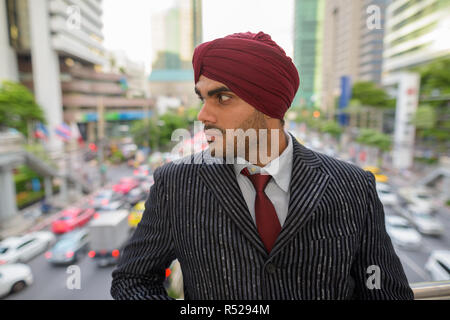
(209, 127)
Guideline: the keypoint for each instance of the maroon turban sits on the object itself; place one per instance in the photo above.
(253, 66)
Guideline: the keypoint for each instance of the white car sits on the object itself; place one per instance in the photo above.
(22, 249)
(402, 232)
(386, 195)
(438, 265)
(420, 198)
(425, 222)
(14, 278)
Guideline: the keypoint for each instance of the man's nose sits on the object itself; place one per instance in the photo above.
(205, 115)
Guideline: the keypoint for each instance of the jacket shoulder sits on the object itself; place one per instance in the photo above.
(342, 170)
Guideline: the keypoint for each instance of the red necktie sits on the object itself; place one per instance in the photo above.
(267, 221)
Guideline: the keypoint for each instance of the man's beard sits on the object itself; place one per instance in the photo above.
(244, 143)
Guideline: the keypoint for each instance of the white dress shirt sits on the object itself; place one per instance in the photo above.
(277, 190)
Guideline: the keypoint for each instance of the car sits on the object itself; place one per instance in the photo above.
(125, 185)
(71, 219)
(135, 215)
(438, 265)
(379, 177)
(14, 278)
(386, 194)
(135, 195)
(69, 248)
(419, 197)
(147, 183)
(142, 172)
(424, 222)
(105, 199)
(24, 248)
(402, 233)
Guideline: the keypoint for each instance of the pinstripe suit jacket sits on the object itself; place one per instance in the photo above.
(196, 213)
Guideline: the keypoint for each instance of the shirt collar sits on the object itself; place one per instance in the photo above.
(280, 168)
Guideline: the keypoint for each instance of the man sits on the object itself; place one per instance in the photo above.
(289, 224)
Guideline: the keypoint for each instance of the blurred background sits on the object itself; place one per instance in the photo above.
(91, 91)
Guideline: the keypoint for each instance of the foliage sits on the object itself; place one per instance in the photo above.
(435, 78)
(369, 94)
(425, 117)
(144, 132)
(18, 107)
(157, 132)
(374, 138)
(117, 157)
(331, 127)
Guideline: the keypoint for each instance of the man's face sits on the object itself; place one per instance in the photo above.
(222, 109)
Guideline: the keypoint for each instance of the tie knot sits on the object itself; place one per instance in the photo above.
(258, 180)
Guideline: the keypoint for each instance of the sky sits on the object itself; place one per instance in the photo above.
(127, 24)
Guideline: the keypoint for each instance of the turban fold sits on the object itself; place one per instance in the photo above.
(253, 66)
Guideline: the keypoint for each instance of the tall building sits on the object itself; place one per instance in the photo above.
(308, 37)
(372, 37)
(341, 49)
(175, 34)
(55, 47)
(416, 33)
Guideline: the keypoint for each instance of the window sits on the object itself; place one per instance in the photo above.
(26, 243)
(443, 266)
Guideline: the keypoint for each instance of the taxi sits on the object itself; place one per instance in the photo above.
(135, 215)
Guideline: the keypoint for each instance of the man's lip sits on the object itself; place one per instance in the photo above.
(212, 133)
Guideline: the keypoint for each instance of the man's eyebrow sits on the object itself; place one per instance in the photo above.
(214, 91)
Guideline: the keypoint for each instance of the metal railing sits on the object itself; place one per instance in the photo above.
(434, 290)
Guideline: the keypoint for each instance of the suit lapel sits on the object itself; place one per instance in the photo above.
(221, 181)
(307, 187)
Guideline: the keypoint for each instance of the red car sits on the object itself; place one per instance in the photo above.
(125, 185)
(72, 218)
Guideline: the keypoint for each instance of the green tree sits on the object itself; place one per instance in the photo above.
(435, 78)
(435, 105)
(18, 107)
(157, 132)
(331, 127)
(382, 142)
(369, 94)
(146, 133)
(369, 101)
(169, 122)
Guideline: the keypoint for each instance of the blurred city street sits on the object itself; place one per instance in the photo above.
(94, 92)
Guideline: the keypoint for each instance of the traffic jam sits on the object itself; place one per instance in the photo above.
(98, 227)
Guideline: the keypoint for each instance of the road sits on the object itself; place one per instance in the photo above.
(414, 261)
(50, 283)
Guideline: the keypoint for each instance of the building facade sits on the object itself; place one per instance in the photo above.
(373, 18)
(175, 34)
(416, 33)
(56, 48)
(341, 48)
(308, 37)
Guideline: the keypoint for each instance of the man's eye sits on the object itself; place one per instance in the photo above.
(224, 98)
